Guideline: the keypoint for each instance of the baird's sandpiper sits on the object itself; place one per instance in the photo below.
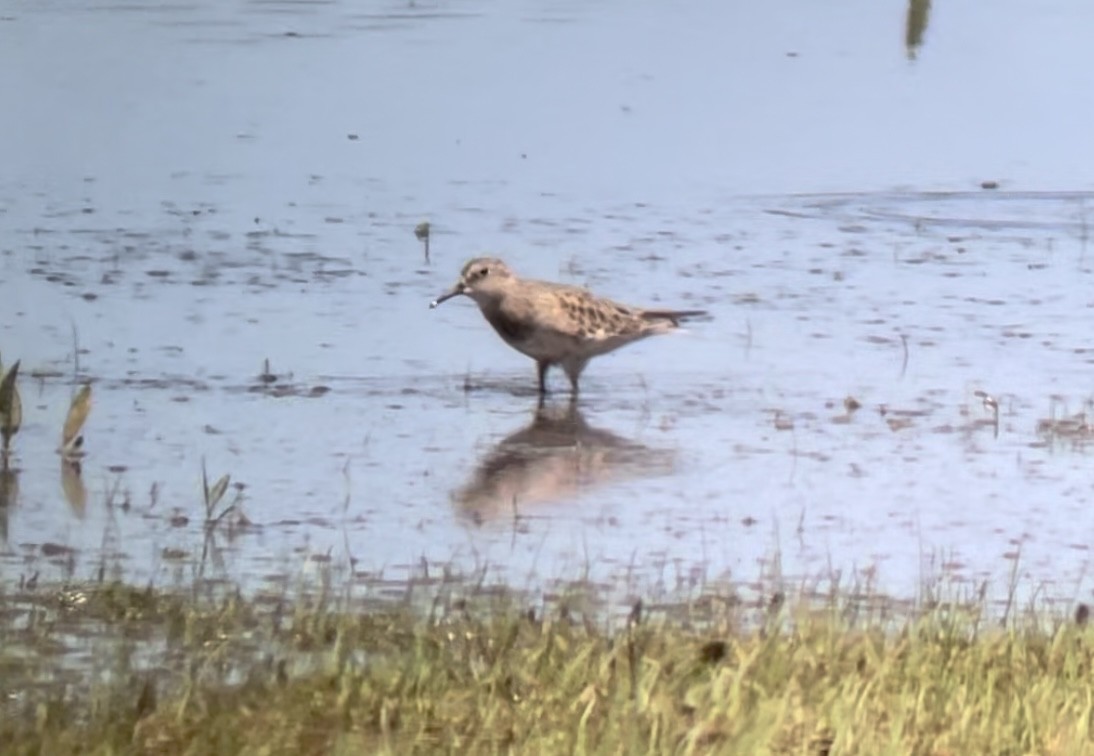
(553, 323)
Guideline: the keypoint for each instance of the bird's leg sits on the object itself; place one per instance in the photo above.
(541, 369)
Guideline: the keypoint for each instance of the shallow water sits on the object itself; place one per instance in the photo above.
(191, 190)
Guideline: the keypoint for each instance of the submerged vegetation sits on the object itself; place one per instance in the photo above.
(175, 673)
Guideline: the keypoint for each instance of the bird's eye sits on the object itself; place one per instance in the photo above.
(483, 272)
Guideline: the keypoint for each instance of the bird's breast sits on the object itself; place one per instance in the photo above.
(530, 336)
(515, 330)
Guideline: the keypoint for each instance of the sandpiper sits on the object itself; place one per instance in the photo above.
(553, 323)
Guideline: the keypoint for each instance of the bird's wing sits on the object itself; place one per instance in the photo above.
(577, 313)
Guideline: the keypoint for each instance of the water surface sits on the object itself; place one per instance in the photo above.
(192, 190)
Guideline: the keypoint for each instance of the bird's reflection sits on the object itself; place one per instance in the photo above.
(556, 457)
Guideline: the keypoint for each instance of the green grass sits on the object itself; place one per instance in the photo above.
(172, 674)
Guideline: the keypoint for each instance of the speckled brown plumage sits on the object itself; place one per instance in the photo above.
(553, 323)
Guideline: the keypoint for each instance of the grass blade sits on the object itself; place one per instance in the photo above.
(216, 493)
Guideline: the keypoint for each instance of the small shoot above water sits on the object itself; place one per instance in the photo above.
(421, 232)
(991, 404)
(72, 442)
(11, 408)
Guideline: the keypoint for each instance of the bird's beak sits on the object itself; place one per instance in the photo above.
(455, 291)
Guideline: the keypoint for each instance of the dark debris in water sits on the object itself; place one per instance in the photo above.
(283, 390)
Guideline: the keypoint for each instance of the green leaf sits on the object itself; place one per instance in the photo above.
(77, 416)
